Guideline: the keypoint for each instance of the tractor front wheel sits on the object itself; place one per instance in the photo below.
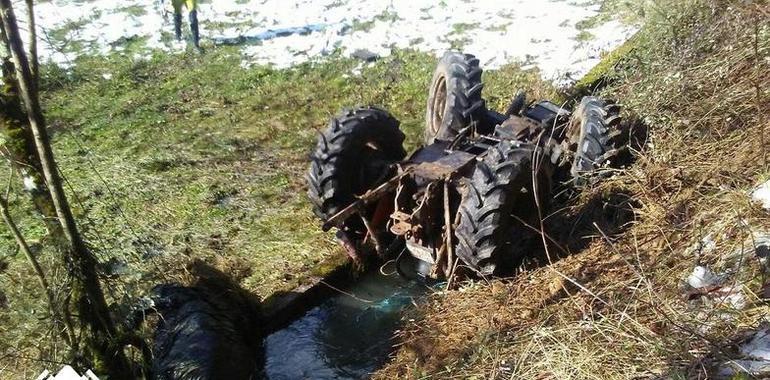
(354, 154)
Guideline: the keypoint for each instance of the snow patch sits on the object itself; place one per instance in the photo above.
(30, 184)
(283, 33)
(762, 195)
(707, 284)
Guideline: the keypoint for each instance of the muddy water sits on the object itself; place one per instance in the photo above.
(349, 336)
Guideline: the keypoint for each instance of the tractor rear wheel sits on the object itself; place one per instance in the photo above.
(489, 238)
(354, 154)
(593, 133)
(454, 97)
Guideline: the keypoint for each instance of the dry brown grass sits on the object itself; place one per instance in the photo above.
(700, 79)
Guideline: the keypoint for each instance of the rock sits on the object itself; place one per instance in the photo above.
(762, 195)
(365, 55)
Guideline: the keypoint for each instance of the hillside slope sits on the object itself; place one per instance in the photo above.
(186, 157)
(614, 304)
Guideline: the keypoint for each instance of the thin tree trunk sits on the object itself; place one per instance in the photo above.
(34, 66)
(22, 154)
(101, 337)
(4, 41)
(68, 332)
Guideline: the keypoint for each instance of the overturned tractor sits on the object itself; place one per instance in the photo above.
(477, 189)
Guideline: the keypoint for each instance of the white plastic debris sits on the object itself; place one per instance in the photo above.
(756, 361)
(702, 277)
(107, 76)
(713, 287)
(758, 347)
(67, 373)
(762, 195)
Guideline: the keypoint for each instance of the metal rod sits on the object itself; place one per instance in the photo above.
(448, 226)
(439, 260)
(363, 200)
(371, 232)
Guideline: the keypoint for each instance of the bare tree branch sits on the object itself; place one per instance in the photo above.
(68, 332)
(34, 66)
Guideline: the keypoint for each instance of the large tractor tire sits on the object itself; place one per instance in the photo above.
(354, 154)
(594, 135)
(489, 238)
(454, 97)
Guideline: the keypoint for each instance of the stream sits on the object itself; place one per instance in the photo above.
(348, 336)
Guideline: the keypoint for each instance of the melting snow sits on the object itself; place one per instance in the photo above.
(286, 32)
(762, 195)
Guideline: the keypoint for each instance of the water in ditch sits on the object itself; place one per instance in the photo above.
(348, 336)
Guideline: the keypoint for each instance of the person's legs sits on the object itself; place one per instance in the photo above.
(192, 6)
(177, 18)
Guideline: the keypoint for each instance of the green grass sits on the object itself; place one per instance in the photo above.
(206, 158)
(133, 10)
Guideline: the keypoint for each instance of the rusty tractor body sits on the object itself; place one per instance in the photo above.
(473, 196)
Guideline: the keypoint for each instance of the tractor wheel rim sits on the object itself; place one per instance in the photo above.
(439, 103)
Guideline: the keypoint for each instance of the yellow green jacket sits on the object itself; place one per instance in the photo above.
(191, 5)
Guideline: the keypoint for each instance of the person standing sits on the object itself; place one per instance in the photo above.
(192, 8)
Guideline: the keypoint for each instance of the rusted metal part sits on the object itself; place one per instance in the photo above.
(382, 213)
(451, 268)
(413, 228)
(428, 153)
(518, 128)
(371, 231)
(402, 224)
(444, 166)
(367, 198)
(440, 260)
(448, 224)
